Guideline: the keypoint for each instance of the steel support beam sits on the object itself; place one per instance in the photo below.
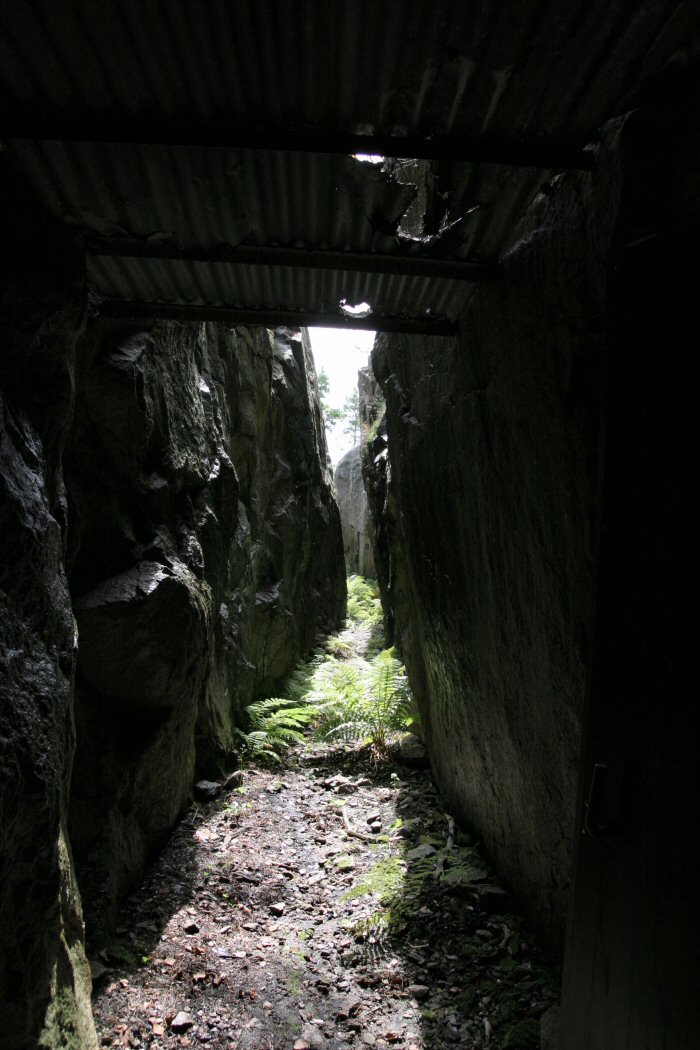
(271, 318)
(309, 258)
(470, 148)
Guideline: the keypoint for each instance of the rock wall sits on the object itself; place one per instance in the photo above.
(485, 552)
(44, 978)
(192, 555)
(354, 514)
(205, 559)
(350, 482)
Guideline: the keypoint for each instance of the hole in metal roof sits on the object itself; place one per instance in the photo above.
(355, 309)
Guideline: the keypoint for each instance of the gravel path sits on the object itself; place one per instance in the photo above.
(328, 904)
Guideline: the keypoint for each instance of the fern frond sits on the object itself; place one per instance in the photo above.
(340, 696)
(364, 605)
(350, 731)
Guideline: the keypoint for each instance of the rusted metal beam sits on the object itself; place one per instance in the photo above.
(511, 152)
(308, 258)
(272, 318)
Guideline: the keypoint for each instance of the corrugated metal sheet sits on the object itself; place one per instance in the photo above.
(548, 69)
(207, 197)
(275, 287)
(448, 66)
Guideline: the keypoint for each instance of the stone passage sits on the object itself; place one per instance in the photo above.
(303, 911)
(171, 546)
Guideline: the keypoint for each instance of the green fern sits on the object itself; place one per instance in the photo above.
(391, 705)
(335, 696)
(364, 605)
(276, 723)
(363, 701)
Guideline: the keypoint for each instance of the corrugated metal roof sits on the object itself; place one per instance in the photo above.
(547, 71)
(554, 66)
(208, 197)
(279, 288)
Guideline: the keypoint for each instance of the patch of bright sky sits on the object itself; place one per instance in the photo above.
(340, 353)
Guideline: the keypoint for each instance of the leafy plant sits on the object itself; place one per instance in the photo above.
(339, 649)
(373, 429)
(338, 695)
(330, 415)
(351, 415)
(363, 701)
(275, 723)
(397, 888)
(364, 605)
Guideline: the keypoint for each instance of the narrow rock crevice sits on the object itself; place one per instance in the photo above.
(328, 900)
(198, 492)
(173, 477)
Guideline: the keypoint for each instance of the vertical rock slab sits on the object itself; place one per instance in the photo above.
(487, 540)
(351, 481)
(205, 558)
(286, 580)
(44, 977)
(354, 514)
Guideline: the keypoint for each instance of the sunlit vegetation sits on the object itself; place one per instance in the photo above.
(364, 606)
(340, 694)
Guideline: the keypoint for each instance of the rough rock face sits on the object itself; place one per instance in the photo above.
(205, 559)
(44, 978)
(354, 514)
(204, 555)
(351, 481)
(487, 531)
(389, 564)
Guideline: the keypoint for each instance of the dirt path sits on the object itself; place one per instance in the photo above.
(320, 906)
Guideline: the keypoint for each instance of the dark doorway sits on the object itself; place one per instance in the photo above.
(632, 977)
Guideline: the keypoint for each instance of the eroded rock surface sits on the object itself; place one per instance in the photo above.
(354, 514)
(206, 558)
(44, 978)
(203, 550)
(484, 491)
